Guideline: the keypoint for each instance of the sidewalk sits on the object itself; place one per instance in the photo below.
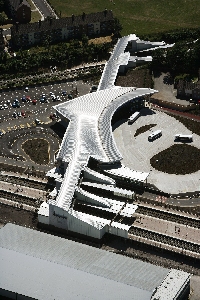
(176, 112)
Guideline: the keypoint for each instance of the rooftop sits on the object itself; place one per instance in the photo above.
(54, 24)
(113, 276)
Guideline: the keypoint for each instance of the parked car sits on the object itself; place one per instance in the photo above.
(28, 98)
(19, 114)
(16, 103)
(1, 107)
(23, 113)
(70, 96)
(58, 98)
(14, 114)
(42, 100)
(23, 98)
(93, 88)
(64, 93)
(8, 102)
(1, 133)
(37, 122)
(26, 89)
(5, 106)
(52, 117)
(34, 101)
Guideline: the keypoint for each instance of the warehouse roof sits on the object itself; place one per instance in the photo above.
(125, 172)
(25, 253)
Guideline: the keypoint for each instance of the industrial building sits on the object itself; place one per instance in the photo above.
(36, 265)
(89, 137)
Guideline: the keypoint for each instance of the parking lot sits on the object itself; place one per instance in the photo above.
(25, 115)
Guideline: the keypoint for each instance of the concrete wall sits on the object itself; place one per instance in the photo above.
(119, 232)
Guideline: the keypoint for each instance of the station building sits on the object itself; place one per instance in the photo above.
(89, 137)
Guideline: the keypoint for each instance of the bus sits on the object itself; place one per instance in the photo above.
(183, 138)
(133, 117)
(154, 135)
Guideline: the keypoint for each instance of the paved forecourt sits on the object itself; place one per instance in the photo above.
(137, 151)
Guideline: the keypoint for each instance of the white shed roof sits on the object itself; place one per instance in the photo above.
(172, 285)
(125, 172)
(67, 268)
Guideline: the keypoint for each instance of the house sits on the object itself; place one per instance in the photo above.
(57, 30)
(19, 10)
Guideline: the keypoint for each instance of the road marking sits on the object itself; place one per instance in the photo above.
(2, 130)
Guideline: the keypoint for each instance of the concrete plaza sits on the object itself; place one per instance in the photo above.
(137, 151)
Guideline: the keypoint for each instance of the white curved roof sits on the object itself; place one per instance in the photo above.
(89, 133)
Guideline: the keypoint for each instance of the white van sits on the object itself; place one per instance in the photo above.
(133, 117)
(154, 135)
(183, 138)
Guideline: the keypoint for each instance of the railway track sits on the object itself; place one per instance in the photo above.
(20, 199)
(24, 182)
(168, 216)
(168, 240)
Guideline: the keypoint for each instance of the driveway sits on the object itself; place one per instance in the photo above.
(166, 92)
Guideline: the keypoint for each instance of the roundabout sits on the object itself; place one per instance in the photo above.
(33, 147)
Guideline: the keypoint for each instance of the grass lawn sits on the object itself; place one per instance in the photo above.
(143, 129)
(138, 16)
(177, 159)
(30, 2)
(35, 16)
(37, 150)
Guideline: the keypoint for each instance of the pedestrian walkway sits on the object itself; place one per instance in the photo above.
(170, 228)
(176, 112)
(22, 190)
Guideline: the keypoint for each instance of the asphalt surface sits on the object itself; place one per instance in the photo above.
(40, 111)
(44, 8)
(166, 91)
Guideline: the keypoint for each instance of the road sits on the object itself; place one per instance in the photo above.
(164, 84)
(44, 8)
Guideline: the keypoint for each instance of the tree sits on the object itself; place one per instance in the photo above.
(1, 5)
(85, 40)
(117, 27)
